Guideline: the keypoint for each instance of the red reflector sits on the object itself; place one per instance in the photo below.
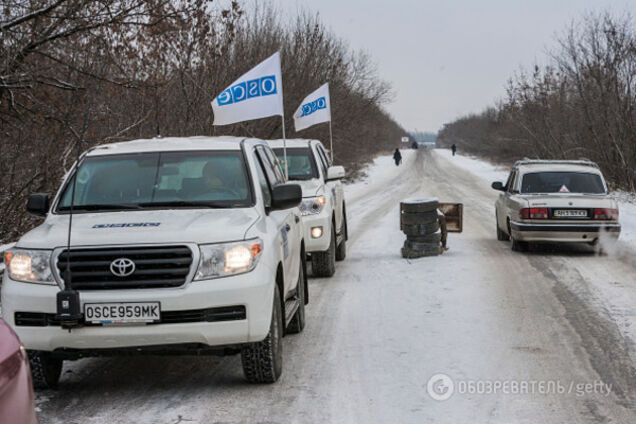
(606, 214)
(534, 213)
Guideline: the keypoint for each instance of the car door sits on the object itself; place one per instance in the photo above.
(511, 204)
(333, 187)
(501, 206)
(287, 221)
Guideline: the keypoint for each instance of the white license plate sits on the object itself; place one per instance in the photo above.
(570, 213)
(122, 313)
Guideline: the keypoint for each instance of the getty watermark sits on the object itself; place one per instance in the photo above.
(441, 387)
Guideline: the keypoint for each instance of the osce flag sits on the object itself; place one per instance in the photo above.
(315, 109)
(257, 94)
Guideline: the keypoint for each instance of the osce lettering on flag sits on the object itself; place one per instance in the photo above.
(314, 109)
(256, 94)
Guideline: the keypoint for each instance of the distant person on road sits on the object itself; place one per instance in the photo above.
(454, 149)
(397, 157)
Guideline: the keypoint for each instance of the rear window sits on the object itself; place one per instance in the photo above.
(562, 182)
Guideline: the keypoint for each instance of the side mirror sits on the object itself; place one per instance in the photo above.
(335, 173)
(498, 185)
(38, 204)
(286, 196)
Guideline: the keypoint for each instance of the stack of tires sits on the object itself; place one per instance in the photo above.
(419, 222)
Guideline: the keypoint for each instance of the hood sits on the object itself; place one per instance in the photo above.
(311, 187)
(145, 226)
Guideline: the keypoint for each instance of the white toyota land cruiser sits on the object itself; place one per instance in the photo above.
(323, 209)
(178, 245)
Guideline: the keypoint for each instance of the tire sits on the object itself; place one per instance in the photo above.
(297, 322)
(501, 235)
(519, 246)
(419, 205)
(263, 361)
(418, 218)
(408, 253)
(429, 238)
(323, 264)
(420, 230)
(414, 245)
(45, 370)
(341, 250)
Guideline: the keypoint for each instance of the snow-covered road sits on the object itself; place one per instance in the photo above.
(534, 327)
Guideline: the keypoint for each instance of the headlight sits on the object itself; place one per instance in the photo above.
(29, 266)
(220, 260)
(313, 205)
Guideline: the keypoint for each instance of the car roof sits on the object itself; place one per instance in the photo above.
(292, 142)
(172, 144)
(536, 165)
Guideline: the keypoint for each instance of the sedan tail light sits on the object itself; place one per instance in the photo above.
(605, 214)
(534, 213)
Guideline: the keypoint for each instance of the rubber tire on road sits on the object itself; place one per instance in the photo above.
(429, 238)
(421, 229)
(263, 361)
(418, 218)
(412, 254)
(297, 322)
(341, 250)
(419, 205)
(414, 245)
(519, 246)
(45, 370)
(501, 235)
(323, 264)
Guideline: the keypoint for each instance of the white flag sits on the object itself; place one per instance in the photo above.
(315, 109)
(257, 94)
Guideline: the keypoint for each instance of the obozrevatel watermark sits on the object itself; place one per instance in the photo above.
(441, 387)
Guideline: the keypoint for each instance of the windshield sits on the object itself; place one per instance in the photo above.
(302, 165)
(562, 182)
(151, 180)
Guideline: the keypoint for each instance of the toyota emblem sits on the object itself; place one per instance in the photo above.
(122, 267)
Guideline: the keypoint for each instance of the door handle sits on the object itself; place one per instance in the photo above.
(297, 219)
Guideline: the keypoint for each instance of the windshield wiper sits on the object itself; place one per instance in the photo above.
(98, 207)
(187, 204)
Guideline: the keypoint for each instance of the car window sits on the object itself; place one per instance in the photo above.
(324, 155)
(301, 163)
(562, 182)
(510, 184)
(273, 177)
(323, 163)
(262, 182)
(276, 165)
(154, 179)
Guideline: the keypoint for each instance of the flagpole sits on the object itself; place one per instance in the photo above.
(331, 141)
(285, 146)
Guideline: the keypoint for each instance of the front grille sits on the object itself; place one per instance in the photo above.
(155, 267)
(224, 313)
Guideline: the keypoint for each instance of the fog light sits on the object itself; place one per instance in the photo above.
(316, 232)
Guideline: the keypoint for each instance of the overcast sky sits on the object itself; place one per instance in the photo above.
(447, 58)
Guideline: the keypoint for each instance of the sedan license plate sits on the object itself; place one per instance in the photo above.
(569, 213)
(122, 313)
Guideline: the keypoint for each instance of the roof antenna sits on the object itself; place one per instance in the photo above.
(68, 300)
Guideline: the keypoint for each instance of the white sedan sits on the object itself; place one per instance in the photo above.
(555, 201)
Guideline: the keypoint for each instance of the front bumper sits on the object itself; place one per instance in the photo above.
(253, 290)
(323, 220)
(564, 232)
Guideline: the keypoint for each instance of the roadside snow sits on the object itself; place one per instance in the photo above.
(490, 172)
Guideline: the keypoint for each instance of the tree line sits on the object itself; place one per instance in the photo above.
(582, 104)
(77, 73)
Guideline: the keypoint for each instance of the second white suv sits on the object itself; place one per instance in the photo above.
(178, 245)
(324, 212)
